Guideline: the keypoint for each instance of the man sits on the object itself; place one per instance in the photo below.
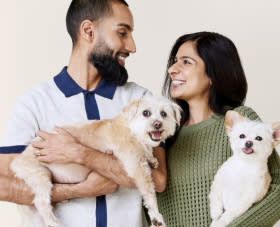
(93, 86)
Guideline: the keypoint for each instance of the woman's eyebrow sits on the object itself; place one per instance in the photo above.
(187, 57)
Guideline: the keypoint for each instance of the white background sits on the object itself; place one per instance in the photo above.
(35, 46)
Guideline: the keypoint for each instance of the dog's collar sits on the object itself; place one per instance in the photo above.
(69, 87)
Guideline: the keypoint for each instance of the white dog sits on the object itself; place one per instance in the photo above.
(144, 124)
(244, 178)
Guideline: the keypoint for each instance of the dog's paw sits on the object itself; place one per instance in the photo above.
(154, 163)
(218, 223)
(52, 221)
(157, 220)
(157, 223)
(216, 213)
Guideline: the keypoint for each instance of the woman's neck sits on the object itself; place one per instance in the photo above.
(198, 112)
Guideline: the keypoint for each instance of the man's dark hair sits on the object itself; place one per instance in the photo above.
(222, 66)
(80, 10)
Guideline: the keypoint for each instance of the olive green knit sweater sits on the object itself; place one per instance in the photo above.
(193, 161)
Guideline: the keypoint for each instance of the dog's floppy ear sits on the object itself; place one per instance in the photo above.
(231, 118)
(177, 112)
(129, 111)
(276, 133)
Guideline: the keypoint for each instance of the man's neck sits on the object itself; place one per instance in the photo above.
(83, 72)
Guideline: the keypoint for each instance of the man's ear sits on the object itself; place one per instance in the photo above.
(276, 133)
(231, 118)
(87, 30)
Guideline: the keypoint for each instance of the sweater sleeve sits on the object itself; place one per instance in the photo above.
(266, 212)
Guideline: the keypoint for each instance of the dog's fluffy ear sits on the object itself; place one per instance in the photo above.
(276, 133)
(231, 118)
(177, 113)
(130, 111)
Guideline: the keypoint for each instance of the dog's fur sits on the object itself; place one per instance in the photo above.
(244, 178)
(130, 135)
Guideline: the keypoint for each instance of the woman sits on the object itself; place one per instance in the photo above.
(205, 77)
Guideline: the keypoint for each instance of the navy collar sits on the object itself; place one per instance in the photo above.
(69, 87)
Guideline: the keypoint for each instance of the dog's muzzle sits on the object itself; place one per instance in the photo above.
(248, 147)
(157, 125)
(155, 135)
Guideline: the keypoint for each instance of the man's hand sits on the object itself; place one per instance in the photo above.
(60, 148)
(96, 185)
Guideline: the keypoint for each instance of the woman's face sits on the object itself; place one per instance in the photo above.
(189, 79)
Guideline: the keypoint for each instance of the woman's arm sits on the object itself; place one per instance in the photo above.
(160, 174)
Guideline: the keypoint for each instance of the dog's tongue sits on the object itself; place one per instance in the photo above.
(247, 150)
(156, 135)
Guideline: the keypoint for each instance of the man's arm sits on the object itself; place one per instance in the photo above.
(63, 148)
(15, 190)
(110, 167)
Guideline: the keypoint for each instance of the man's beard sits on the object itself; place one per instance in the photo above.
(108, 66)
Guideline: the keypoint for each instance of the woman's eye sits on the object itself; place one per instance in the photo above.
(186, 62)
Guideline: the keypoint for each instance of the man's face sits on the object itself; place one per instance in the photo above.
(113, 44)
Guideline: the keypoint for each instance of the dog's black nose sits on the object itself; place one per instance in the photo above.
(157, 124)
(249, 144)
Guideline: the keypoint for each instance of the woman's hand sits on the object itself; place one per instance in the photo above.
(60, 148)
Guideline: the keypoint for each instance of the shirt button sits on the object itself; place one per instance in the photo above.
(88, 95)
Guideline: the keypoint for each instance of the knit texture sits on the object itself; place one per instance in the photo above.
(193, 161)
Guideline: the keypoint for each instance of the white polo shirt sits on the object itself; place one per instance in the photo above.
(61, 101)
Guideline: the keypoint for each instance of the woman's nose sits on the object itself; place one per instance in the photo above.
(173, 70)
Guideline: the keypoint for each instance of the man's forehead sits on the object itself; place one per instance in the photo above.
(127, 26)
(121, 16)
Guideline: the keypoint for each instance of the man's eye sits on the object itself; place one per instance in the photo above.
(123, 34)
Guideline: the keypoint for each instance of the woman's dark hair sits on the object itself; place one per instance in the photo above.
(222, 66)
(80, 10)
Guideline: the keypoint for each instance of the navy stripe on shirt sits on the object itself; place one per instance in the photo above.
(12, 149)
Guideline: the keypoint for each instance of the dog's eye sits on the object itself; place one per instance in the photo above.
(146, 113)
(242, 136)
(258, 138)
(163, 114)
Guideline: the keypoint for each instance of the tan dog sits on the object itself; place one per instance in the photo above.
(244, 178)
(144, 124)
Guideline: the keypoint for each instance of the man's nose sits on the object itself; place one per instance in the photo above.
(130, 45)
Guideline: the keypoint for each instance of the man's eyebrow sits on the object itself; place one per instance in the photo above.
(127, 26)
